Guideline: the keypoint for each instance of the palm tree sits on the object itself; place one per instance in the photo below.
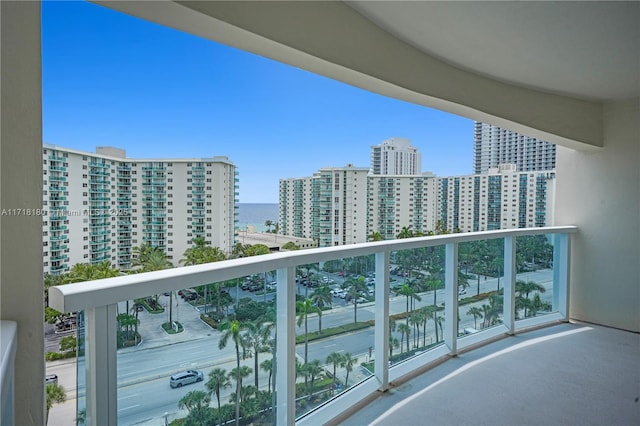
(375, 236)
(393, 343)
(427, 314)
(232, 329)
(405, 232)
(476, 313)
(347, 363)
(55, 395)
(267, 365)
(416, 319)
(432, 285)
(335, 359)
(407, 291)
(218, 380)
(355, 291)
(304, 309)
(321, 297)
(268, 224)
(197, 403)
(404, 329)
(239, 374)
(314, 370)
(257, 337)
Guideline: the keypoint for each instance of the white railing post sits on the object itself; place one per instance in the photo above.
(101, 347)
(509, 288)
(451, 297)
(382, 320)
(286, 346)
(561, 266)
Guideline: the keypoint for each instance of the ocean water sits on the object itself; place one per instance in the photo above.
(256, 215)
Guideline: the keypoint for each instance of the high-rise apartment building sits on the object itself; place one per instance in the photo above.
(401, 201)
(493, 146)
(329, 207)
(395, 156)
(502, 198)
(97, 206)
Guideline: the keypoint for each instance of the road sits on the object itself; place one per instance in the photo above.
(144, 371)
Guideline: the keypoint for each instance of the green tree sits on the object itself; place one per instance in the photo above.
(232, 330)
(55, 395)
(197, 403)
(313, 370)
(409, 292)
(68, 343)
(335, 359)
(290, 245)
(404, 329)
(268, 224)
(257, 338)
(405, 232)
(321, 297)
(476, 313)
(218, 380)
(267, 366)
(347, 363)
(304, 309)
(375, 236)
(240, 373)
(356, 290)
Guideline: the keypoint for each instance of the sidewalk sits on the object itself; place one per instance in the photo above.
(153, 335)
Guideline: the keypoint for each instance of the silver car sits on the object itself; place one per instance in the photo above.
(186, 377)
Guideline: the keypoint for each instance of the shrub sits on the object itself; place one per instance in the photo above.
(50, 315)
(54, 356)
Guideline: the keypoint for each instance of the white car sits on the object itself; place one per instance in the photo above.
(186, 377)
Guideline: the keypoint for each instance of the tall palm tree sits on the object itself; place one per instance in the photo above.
(267, 365)
(321, 297)
(358, 287)
(197, 403)
(476, 313)
(393, 343)
(335, 359)
(268, 224)
(416, 319)
(404, 329)
(304, 309)
(347, 363)
(55, 395)
(232, 330)
(218, 380)
(407, 291)
(257, 337)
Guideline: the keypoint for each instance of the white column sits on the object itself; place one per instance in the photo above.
(561, 256)
(286, 347)
(101, 375)
(509, 283)
(451, 298)
(382, 320)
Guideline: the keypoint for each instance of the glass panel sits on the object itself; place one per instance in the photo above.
(417, 301)
(534, 279)
(184, 348)
(335, 319)
(480, 295)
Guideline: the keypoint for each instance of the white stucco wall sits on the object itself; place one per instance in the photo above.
(600, 193)
(21, 286)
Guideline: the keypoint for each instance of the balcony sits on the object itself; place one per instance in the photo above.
(98, 300)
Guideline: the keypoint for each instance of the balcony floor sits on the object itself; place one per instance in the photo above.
(566, 374)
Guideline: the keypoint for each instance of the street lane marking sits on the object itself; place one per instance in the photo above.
(472, 364)
(130, 396)
(127, 408)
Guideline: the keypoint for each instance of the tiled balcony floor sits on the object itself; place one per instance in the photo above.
(567, 374)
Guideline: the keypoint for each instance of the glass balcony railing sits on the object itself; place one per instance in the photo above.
(388, 309)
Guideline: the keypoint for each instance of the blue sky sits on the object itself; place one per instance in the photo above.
(115, 80)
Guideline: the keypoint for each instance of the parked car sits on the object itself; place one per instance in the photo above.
(51, 379)
(186, 377)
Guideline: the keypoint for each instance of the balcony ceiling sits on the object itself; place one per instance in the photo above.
(587, 50)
